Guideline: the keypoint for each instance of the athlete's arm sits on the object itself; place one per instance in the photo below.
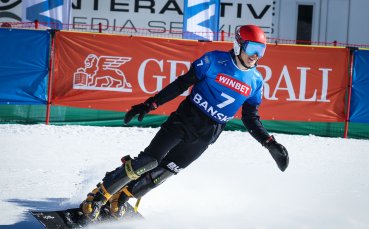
(251, 120)
(174, 89)
(177, 87)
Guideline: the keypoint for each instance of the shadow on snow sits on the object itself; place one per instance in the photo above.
(27, 220)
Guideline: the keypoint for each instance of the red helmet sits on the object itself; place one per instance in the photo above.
(246, 33)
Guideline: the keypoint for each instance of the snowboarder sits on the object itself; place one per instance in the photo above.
(222, 83)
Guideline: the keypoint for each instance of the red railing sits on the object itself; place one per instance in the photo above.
(155, 32)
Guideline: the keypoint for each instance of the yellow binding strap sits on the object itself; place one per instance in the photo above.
(129, 171)
(104, 192)
(137, 204)
(126, 192)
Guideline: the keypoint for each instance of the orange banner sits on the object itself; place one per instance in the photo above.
(114, 72)
(304, 83)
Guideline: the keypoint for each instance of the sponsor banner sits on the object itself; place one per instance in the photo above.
(153, 17)
(24, 63)
(201, 19)
(53, 12)
(113, 72)
(156, 17)
(304, 83)
(236, 13)
(359, 110)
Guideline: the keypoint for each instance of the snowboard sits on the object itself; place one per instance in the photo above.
(70, 218)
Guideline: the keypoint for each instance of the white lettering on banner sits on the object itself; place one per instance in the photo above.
(173, 64)
(105, 73)
(141, 76)
(286, 78)
(324, 84)
(303, 85)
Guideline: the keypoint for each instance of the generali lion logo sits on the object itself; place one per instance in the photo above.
(102, 73)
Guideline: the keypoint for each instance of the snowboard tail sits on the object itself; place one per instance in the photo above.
(70, 218)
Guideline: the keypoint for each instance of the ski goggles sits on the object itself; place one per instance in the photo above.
(251, 48)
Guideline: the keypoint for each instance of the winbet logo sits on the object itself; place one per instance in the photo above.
(233, 84)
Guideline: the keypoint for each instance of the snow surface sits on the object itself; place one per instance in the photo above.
(235, 184)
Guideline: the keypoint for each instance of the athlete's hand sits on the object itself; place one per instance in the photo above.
(278, 152)
(141, 110)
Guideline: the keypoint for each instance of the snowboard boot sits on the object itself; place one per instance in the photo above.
(114, 181)
(147, 182)
(131, 169)
(93, 203)
(118, 203)
(136, 189)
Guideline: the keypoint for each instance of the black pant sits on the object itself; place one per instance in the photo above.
(185, 135)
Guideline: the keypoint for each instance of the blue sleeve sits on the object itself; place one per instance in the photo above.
(202, 65)
(257, 94)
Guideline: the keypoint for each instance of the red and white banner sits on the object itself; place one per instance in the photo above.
(304, 83)
(114, 72)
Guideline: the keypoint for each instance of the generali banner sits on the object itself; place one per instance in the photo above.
(112, 72)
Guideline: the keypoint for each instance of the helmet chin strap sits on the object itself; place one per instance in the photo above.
(242, 62)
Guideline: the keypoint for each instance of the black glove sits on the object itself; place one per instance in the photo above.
(278, 152)
(141, 109)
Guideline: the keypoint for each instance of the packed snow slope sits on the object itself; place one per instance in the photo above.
(234, 184)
